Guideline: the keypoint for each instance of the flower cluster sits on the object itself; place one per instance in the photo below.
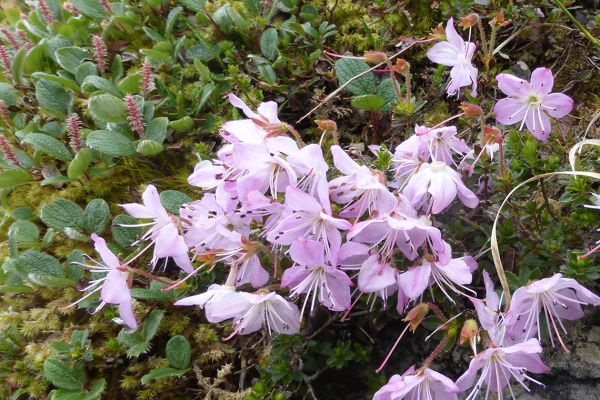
(291, 232)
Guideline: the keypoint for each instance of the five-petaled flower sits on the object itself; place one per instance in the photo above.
(456, 53)
(423, 384)
(531, 103)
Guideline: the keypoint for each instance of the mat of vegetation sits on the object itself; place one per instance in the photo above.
(109, 103)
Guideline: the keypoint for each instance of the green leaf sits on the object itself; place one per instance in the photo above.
(49, 145)
(50, 281)
(149, 147)
(100, 83)
(90, 8)
(387, 91)
(96, 216)
(194, 5)
(179, 352)
(52, 97)
(134, 341)
(24, 234)
(60, 374)
(161, 373)
(67, 83)
(122, 235)
(153, 293)
(35, 59)
(62, 214)
(80, 163)
(108, 108)
(14, 177)
(66, 394)
(111, 143)
(152, 323)
(182, 125)
(96, 390)
(70, 58)
(36, 262)
(75, 271)
(86, 69)
(130, 84)
(171, 19)
(157, 129)
(172, 200)
(347, 68)
(369, 102)
(268, 73)
(17, 65)
(8, 94)
(268, 43)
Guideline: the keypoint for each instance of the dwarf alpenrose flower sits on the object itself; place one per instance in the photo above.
(456, 53)
(531, 103)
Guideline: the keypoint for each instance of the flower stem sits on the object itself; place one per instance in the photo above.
(436, 352)
(578, 24)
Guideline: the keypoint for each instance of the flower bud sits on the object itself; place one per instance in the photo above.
(326, 125)
(498, 20)
(468, 332)
(374, 57)
(401, 66)
(471, 110)
(415, 316)
(491, 134)
(468, 21)
(438, 32)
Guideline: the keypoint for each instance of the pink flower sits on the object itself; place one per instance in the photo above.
(424, 384)
(310, 220)
(498, 365)
(251, 271)
(312, 273)
(435, 186)
(441, 143)
(361, 189)
(531, 103)
(220, 302)
(456, 53)
(401, 228)
(488, 312)
(311, 169)
(212, 227)
(444, 272)
(557, 298)
(114, 288)
(164, 232)
(266, 309)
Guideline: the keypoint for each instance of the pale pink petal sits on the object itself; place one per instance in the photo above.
(414, 281)
(137, 210)
(509, 111)
(152, 202)
(538, 123)
(127, 315)
(443, 53)
(452, 36)
(109, 258)
(542, 80)
(297, 200)
(115, 289)
(512, 86)
(239, 103)
(557, 105)
(307, 252)
(343, 162)
(268, 110)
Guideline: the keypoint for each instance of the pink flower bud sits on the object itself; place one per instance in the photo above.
(133, 114)
(73, 124)
(99, 52)
(45, 10)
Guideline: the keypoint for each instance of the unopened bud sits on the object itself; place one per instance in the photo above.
(438, 32)
(471, 110)
(326, 125)
(468, 21)
(468, 332)
(499, 20)
(375, 57)
(491, 134)
(401, 66)
(415, 316)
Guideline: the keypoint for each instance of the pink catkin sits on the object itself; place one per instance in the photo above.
(10, 38)
(133, 114)
(107, 6)
(71, 8)
(6, 61)
(100, 52)
(8, 151)
(73, 124)
(147, 78)
(45, 10)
